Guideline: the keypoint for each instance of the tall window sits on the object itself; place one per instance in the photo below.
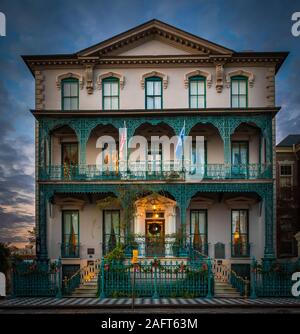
(239, 158)
(198, 230)
(70, 94)
(286, 176)
(70, 233)
(239, 233)
(239, 92)
(69, 159)
(111, 230)
(197, 92)
(110, 93)
(154, 93)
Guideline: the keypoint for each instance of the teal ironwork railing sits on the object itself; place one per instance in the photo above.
(272, 279)
(168, 246)
(36, 279)
(70, 250)
(240, 249)
(155, 278)
(240, 283)
(165, 172)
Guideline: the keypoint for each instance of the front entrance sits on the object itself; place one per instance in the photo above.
(155, 233)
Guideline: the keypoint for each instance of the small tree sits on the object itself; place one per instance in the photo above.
(5, 254)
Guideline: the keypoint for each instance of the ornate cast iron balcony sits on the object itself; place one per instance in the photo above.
(205, 171)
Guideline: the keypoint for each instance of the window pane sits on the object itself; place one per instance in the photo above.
(234, 87)
(106, 89)
(234, 102)
(107, 103)
(201, 102)
(74, 103)
(114, 88)
(243, 85)
(150, 101)
(243, 103)
(107, 222)
(201, 87)
(193, 101)
(74, 89)
(67, 103)
(114, 103)
(150, 88)
(157, 103)
(243, 221)
(157, 87)
(235, 219)
(193, 88)
(202, 221)
(67, 89)
(286, 170)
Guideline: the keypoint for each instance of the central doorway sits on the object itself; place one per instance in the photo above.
(155, 233)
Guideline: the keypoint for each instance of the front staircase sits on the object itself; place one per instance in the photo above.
(225, 290)
(86, 289)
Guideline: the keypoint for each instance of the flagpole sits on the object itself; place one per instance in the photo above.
(182, 145)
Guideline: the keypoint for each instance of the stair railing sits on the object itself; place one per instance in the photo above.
(81, 276)
(240, 283)
(225, 274)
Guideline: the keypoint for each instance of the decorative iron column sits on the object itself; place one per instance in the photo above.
(42, 251)
(269, 253)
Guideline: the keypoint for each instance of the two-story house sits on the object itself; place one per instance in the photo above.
(155, 80)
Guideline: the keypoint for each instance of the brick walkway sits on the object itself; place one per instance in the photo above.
(50, 303)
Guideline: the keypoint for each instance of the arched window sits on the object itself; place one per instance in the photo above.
(153, 93)
(239, 92)
(197, 92)
(70, 94)
(110, 93)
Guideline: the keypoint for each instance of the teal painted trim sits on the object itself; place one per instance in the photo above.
(239, 79)
(69, 80)
(110, 80)
(197, 79)
(153, 79)
(247, 245)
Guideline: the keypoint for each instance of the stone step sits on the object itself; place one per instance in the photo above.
(226, 295)
(89, 285)
(83, 291)
(87, 295)
(225, 288)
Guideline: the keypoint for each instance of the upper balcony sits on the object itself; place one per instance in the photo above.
(244, 157)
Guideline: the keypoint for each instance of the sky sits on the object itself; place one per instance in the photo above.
(66, 26)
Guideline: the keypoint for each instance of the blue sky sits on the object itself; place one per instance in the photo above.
(65, 26)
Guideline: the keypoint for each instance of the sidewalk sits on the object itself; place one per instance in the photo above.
(118, 303)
